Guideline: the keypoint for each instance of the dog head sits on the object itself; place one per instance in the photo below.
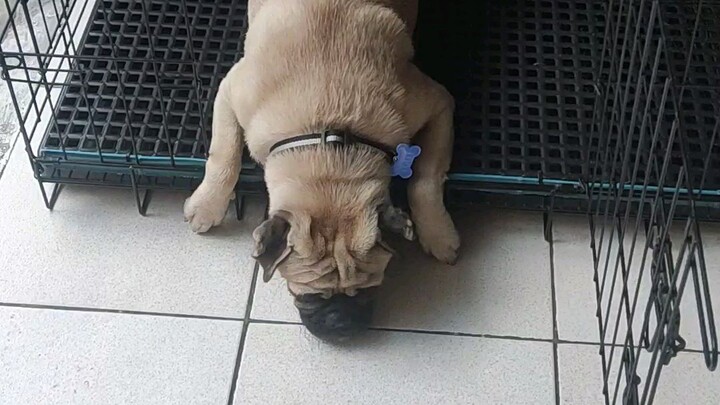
(323, 233)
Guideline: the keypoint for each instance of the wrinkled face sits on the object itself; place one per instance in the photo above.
(323, 234)
(331, 263)
(323, 256)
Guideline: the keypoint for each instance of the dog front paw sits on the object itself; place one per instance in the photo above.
(440, 239)
(205, 209)
(398, 221)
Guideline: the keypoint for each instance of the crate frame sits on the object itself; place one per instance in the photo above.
(637, 196)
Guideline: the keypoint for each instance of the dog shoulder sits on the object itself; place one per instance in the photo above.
(312, 64)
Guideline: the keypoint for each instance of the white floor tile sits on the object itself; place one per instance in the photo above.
(575, 288)
(580, 374)
(501, 284)
(66, 357)
(685, 380)
(282, 365)
(95, 250)
(273, 301)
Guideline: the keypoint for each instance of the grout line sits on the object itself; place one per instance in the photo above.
(617, 346)
(250, 320)
(559, 342)
(578, 342)
(697, 351)
(553, 297)
(462, 334)
(243, 335)
(416, 331)
(273, 322)
(116, 311)
(293, 323)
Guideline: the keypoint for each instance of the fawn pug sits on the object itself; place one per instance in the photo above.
(325, 92)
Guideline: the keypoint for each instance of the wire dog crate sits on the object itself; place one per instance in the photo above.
(125, 87)
(654, 158)
(609, 108)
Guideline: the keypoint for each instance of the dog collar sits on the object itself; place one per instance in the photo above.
(400, 159)
(329, 138)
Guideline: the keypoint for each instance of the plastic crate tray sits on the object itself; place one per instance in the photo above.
(522, 73)
(151, 104)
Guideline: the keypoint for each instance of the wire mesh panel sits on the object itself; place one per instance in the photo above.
(125, 86)
(150, 100)
(522, 75)
(654, 151)
(525, 78)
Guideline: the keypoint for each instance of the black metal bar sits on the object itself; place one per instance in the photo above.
(140, 203)
(196, 79)
(548, 218)
(239, 205)
(120, 94)
(163, 108)
(52, 199)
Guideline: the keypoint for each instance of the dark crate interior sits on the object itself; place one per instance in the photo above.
(524, 75)
(692, 62)
(154, 98)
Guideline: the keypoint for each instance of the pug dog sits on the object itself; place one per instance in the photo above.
(325, 98)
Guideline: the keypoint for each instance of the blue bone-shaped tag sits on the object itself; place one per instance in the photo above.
(406, 155)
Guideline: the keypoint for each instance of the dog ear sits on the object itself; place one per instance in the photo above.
(271, 244)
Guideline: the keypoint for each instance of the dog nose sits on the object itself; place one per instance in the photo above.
(336, 321)
(337, 318)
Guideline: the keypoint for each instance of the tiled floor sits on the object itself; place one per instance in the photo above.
(101, 306)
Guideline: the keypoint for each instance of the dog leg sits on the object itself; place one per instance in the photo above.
(430, 110)
(208, 204)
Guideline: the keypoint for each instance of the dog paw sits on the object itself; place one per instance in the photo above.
(204, 209)
(398, 221)
(408, 230)
(440, 240)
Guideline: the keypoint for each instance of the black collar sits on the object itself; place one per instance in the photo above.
(330, 137)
